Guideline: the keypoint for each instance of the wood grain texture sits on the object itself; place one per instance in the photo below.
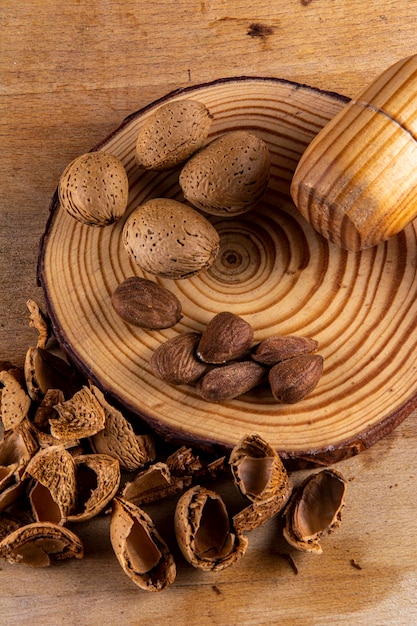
(70, 73)
(356, 181)
(272, 269)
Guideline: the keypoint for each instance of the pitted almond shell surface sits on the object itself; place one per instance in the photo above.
(170, 239)
(118, 439)
(14, 401)
(54, 489)
(172, 133)
(228, 176)
(80, 416)
(94, 188)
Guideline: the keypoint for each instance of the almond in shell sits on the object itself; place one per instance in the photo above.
(170, 239)
(229, 176)
(172, 133)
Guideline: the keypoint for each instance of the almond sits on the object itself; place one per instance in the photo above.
(175, 360)
(282, 347)
(170, 239)
(230, 381)
(226, 337)
(171, 134)
(147, 304)
(229, 175)
(294, 379)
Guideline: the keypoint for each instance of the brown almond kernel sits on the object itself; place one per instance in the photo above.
(279, 348)
(294, 379)
(175, 360)
(226, 337)
(230, 381)
(147, 304)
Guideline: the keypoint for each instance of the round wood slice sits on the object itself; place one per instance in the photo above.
(273, 269)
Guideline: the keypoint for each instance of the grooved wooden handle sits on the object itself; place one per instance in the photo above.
(357, 181)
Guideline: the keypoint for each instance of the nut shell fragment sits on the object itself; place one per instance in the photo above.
(315, 509)
(98, 479)
(152, 484)
(45, 370)
(139, 548)
(39, 543)
(202, 528)
(118, 439)
(39, 321)
(53, 493)
(80, 416)
(14, 401)
(258, 471)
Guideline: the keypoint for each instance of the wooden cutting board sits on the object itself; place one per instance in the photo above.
(272, 269)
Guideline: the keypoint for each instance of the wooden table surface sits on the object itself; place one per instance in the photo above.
(70, 72)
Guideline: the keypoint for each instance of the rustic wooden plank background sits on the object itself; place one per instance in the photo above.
(69, 73)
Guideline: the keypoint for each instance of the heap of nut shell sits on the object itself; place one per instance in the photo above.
(68, 455)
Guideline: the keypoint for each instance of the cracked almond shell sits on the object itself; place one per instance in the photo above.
(45, 370)
(54, 488)
(258, 471)
(202, 529)
(97, 481)
(315, 509)
(39, 543)
(14, 401)
(118, 439)
(152, 484)
(80, 416)
(139, 548)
